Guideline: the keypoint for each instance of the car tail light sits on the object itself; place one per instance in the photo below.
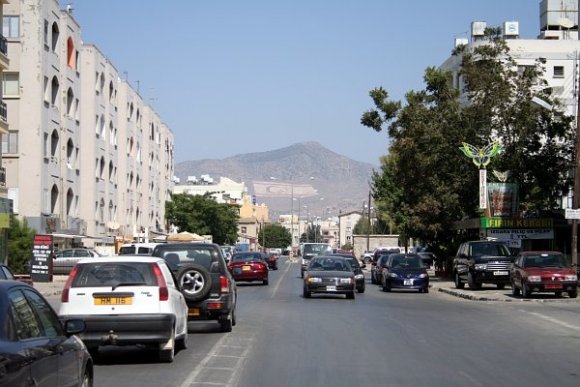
(163, 291)
(67, 285)
(215, 305)
(224, 284)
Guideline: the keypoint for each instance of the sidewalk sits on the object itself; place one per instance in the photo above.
(53, 288)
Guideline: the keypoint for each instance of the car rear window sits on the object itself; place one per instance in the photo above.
(199, 255)
(109, 274)
(247, 257)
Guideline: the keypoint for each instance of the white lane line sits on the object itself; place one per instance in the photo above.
(288, 266)
(470, 378)
(203, 363)
(555, 321)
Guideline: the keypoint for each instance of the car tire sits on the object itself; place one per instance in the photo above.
(526, 293)
(350, 295)
(227, 323)
(265, 281)
(386, 287)
(515, 290)
(426, 290)
(361, 289)
(181, 343)
(558, 294)
(234, 322)
(166, 355)
(306, 293)
(87, 380)
(501, 286)
(194, 282)
(458, 283)
(573, 293)
(472, 282)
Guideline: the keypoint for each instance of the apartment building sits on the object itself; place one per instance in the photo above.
(5, 203)
(87, 159)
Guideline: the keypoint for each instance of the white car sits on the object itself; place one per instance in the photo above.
(127, 300)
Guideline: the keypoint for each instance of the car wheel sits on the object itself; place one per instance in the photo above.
(181, 343)
(526, 293)
(87, 381)
(306, 293)
(515, 290)
(458, 283)
(386, 287)
(367, 260)
(426, 290)
(558, 294)
(194, 282)
(473, 285)
(350, 295)
(234, 322)
(265, 281)
(361, 289)
(573, 293)
(167, 350)
(501, 286)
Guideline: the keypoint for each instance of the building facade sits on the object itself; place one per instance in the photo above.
(5, 203)
(86, 158)
(346, 222)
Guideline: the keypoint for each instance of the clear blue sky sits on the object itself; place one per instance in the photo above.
(241, 76)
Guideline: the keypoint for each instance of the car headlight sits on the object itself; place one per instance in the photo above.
(393, 275)
(534, 278)
(480, 266)
(423, 275)
(346, 280)
(359, 276)
(312, 280)
(571, 277)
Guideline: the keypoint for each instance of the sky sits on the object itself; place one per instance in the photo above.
(233, 77)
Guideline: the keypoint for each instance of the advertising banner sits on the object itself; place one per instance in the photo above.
(503, 200)
(41, 264)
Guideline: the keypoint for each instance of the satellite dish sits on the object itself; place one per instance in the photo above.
(566, 23)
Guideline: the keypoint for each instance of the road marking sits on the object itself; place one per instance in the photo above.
(554, 321)
(470, 378)
(281, 278)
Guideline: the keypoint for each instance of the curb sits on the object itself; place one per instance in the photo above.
(473, 297)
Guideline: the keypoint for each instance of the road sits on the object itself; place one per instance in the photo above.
(388, 339)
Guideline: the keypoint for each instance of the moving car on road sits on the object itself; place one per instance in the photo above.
(543, 271)
(330, 275)
(359, 276)
(309, 250)
(204, 279)
(249, 266)
(36, 348)
(405, 271)
(127, 300)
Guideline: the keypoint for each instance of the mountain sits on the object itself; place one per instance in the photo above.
(320, 180)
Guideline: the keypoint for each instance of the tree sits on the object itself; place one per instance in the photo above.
(20, 242)
(274, 235)
(203, 215)
(312, 234)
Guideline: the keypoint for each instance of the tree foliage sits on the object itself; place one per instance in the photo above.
(425, 183)
(20, 241)
(312, 234)
(274, 235)
(201, 214)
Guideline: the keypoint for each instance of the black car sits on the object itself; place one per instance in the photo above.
(405, 271)
(359, 276)
(204, 279)
(330, 275)
(478, 262)
(377, 269)
(36, 348)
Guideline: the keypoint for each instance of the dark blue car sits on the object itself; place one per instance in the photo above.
(405, 271)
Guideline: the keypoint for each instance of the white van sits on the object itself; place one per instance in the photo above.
(137, 248)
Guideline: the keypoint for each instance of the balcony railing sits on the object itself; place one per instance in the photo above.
(3, 111)
(2, 177)
(3, 45)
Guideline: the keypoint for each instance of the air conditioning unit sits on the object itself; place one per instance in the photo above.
(478, 28)
(511, 29)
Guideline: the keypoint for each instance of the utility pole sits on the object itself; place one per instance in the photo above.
(576, 197)
(370, 223)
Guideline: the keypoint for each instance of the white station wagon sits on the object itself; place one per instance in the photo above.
(127, 300)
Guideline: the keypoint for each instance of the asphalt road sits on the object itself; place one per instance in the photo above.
(386, 339)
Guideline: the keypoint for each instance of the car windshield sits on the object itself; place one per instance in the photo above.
(490, 249)
(407, 262)
(545, 260)
(246, 257)
(318, 249)
(353, 263)
(329, 264)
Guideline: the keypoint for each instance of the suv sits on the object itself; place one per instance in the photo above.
(203, 277)
(480, 262)
(309, 250)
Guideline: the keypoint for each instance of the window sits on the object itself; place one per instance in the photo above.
(10, 143)
(558, 71)
(25, 322)
(244, 230)
(45, 36)
(71, 57)
(11, 26)
(54, 37)
(10, 85)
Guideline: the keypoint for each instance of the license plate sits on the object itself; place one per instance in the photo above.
(331, 288)
(408, 282)
(246, 268)
(553, 286)
(500, 273)
(113, 300)
(193, 312)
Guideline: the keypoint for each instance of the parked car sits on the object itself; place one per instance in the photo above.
(543, 271)
(379, 251)
(6, 274)
(36, 347)
(405, 271)
(137, 248)
(65, 259)
(359, 276)
(250, 266)
(330, 275)
(309, 250)
(272, 260)
(478, 262)
(377, 269)
(204, 279)
(429, 260)
(367, 257)
(127, 300)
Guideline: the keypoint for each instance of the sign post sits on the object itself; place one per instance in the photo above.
(41, 264)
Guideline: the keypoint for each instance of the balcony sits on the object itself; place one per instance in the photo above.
(2, 177)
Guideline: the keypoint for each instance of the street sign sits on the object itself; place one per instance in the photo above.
(572, 213)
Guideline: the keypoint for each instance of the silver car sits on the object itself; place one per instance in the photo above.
(65, 259)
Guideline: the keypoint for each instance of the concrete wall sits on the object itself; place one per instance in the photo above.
(360, 242)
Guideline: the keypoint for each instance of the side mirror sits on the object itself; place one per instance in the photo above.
(72, 327)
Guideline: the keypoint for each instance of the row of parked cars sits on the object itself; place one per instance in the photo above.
(491, 262)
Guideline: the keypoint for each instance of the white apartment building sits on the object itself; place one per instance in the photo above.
(346, 222)
(85, 156)
(225, 190)
(5, 204)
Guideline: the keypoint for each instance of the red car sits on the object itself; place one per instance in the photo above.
(249, 266)
(543, 271)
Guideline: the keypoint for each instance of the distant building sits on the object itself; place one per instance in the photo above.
(223, 191)
(5, 203)
(346, 222)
